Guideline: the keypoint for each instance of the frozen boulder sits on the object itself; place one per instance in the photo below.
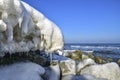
(14, 13)
(22, 71)
(26, 24)
(85, 63)
(50, 32)
(68, 67)
(15, 16)
(52, 72)
(110, 71)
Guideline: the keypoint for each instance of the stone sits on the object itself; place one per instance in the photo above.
(118, 62)
(52, 72)
(83, 64)
(49, 31)
(98, 60)
(76, 55)
(68, 67)
(40, 60)
(91, 56)
(27, 29)
(84, 57)
(67, 53)
(110, 71)
(82, 77)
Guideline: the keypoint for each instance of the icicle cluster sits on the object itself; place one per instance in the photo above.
(23, 28)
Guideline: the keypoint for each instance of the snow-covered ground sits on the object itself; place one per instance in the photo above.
(21, 71)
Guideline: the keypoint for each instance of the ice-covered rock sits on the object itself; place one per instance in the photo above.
(50, 33)
(13, 13)
(21, 71)
(110, 71)
(82, 77)
(25, 24)
(68, 67)
(83, 64)
(16, 47)
(52, 72)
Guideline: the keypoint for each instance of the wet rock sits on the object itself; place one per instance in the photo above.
(118, 62)
(101, 60)
(66, 52)
(98, 60)
(18, 57)
(91, 56)
(68, 55)
(107, 60)
(40, 60)
(77, 55)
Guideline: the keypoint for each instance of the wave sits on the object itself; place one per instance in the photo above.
(95, 47)
(103, 50)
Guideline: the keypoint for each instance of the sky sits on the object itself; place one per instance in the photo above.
(83, 21)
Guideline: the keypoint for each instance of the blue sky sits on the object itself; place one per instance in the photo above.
(83, 21)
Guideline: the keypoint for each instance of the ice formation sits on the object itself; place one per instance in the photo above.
(23, 28)
(51, 37)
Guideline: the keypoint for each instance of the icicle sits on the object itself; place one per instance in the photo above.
(51, 61)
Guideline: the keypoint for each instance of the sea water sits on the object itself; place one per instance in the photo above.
(106, 50)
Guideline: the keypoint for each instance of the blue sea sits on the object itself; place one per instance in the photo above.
(106, 50)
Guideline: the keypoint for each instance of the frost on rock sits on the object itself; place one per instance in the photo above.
(23, 28)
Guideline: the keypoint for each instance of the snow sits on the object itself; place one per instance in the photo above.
(21, 71)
